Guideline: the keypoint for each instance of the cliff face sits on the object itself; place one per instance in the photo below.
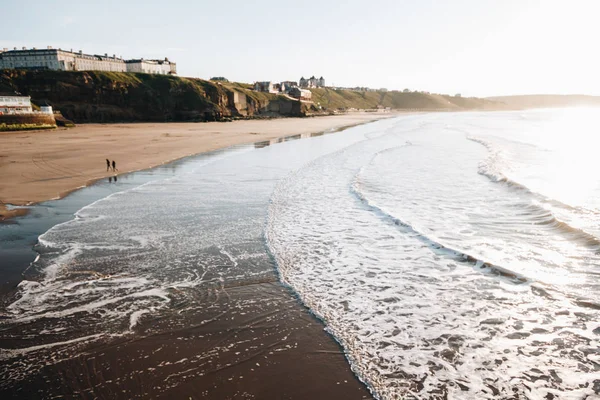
(95, 96)
(116, 97)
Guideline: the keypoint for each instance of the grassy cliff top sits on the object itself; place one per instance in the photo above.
(343, 99)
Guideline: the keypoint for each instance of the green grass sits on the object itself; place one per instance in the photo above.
(333, 99)
(120, 77)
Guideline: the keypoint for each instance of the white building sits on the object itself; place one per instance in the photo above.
(59, 60)
(160, 67)
(46, 110)
(10, 104)
(62, 60)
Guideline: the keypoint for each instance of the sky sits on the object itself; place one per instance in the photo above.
(473, 47)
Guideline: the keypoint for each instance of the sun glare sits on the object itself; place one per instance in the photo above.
(567, 170)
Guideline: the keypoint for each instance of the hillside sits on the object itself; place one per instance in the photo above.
(333, 99)
(547, 101)
(95, 96)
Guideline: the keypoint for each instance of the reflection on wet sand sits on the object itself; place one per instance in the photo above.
(265, 143)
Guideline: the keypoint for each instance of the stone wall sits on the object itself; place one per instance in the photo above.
(27, 119)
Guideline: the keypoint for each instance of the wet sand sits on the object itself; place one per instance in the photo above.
(41, 165)
(269, 348)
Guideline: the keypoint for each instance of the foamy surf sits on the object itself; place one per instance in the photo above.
(436, 282)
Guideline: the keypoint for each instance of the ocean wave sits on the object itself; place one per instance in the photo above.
(431, 242)
(410, 323)
(416, 318)
(492, 169)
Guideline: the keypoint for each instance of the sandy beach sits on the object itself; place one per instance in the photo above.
(240, 338)
(43, 165)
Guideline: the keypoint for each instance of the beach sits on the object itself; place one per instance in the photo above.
(434, 255)
(236, 333)
(43, 165)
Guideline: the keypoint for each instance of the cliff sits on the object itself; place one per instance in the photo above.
(95, 96)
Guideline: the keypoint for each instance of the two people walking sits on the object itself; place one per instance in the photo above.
(114, 165)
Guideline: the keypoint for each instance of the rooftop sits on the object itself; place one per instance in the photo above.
(50, 50)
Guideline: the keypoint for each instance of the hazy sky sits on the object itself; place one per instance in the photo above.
(473, 47)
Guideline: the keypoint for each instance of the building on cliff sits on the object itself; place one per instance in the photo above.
(287, 85)
(160, 67)
(265, 86)
(63, 60)
(13, 104)
(300, 94)
(312, 82)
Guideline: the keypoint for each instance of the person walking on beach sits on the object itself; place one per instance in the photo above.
(107, 164)
(114, 165)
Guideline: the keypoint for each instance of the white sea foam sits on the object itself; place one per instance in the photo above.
(136, 316)
(416, 319)
(12, 353)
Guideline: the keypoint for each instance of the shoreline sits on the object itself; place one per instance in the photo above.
(31, 177)
(294, 346)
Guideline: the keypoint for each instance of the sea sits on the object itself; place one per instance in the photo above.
(451, 255)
